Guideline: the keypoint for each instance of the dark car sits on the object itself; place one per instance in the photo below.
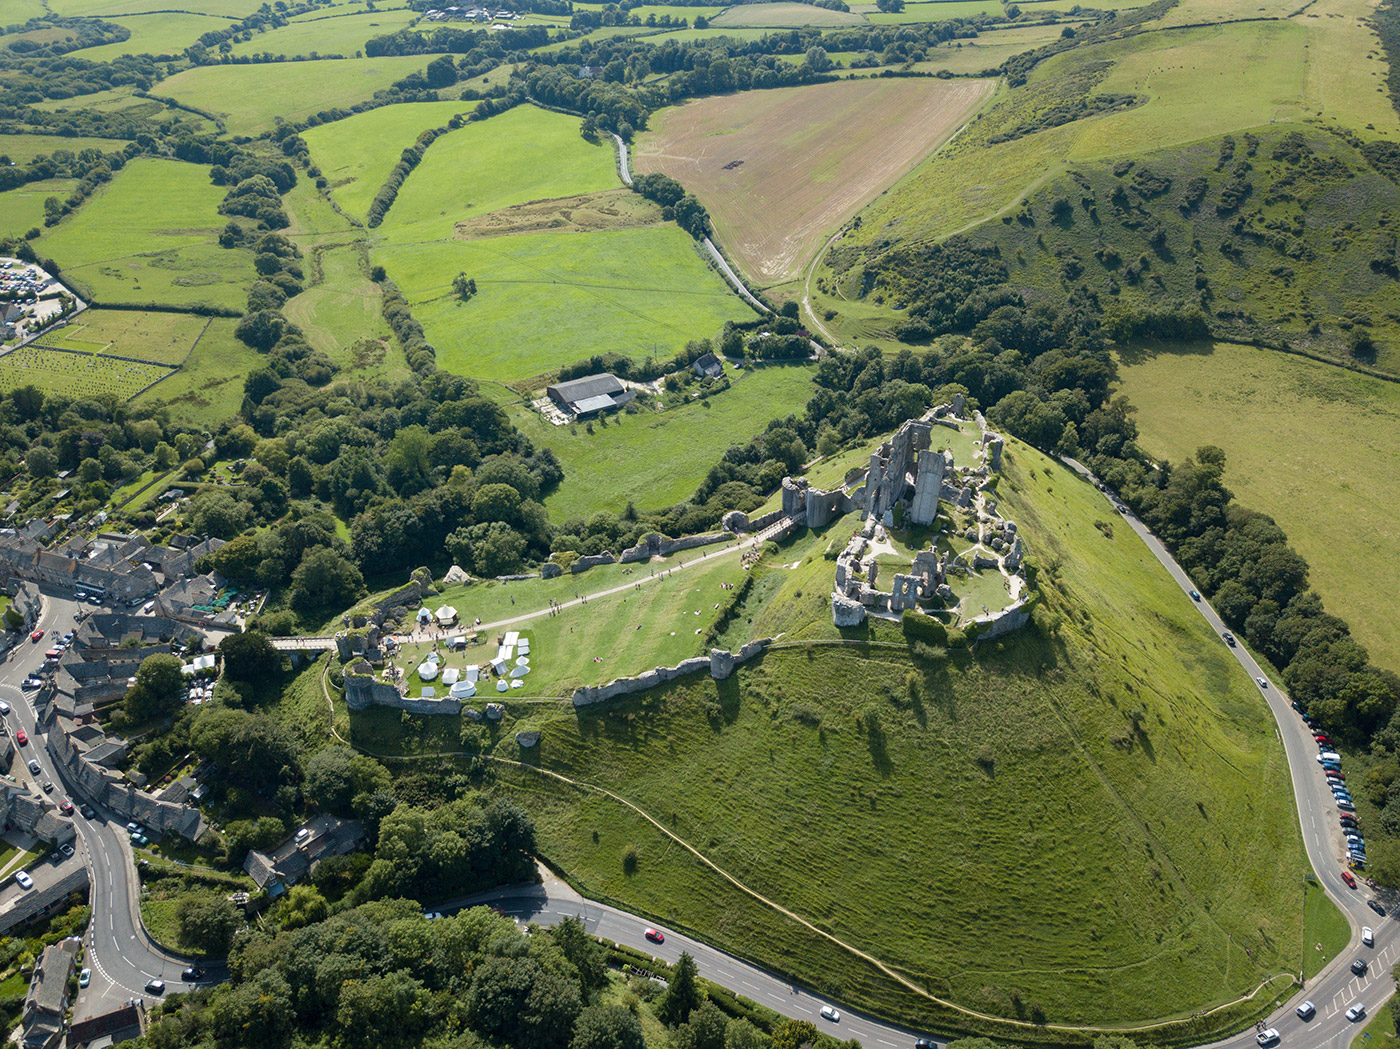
(1229, 638)
(193, 973)
(1376, 907)
(1195, 596)
(925, 1043)
(1359, 966)
(155, 986)
(88, 812)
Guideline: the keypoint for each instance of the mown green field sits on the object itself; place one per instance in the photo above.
(209, 388)
(938, 10)
(340, 316)
(168, 33)
(76, 375)
(339, 35)
(1309, 444)
(549, 299)
(151, 235)
(783, 15)
(164, 338)
(22, 209)
(250, 98)
(521, 155)
(356, 154)
(106, 8)
(657, 459)
(1093, 783)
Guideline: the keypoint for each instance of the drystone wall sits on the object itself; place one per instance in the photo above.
(720, 663)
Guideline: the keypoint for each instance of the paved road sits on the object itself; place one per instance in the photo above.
(1335, 989)
(119, 952)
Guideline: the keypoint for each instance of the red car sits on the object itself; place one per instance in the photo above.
(1321, 738)
(38, 635)
(1347, 877)
(20, 737)
(654, 936)
(66, 807)
(1340, 777)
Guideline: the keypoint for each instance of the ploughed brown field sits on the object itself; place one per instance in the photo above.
(780, 170)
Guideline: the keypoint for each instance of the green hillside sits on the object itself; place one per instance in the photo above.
(1092, 818)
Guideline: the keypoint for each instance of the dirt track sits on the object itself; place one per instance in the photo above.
(778, 170)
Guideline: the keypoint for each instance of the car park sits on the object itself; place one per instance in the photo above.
(84, 977)
(1307, 1011)
(1349, 878)
(831, 1013)
(654, 936)
(1356, 1012)
(1368, 937)
(23, 880)
(155, 986)
(1267, 1037)
(1359, 966)
(1376, 907)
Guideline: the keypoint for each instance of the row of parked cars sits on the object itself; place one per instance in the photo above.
(1331, 763)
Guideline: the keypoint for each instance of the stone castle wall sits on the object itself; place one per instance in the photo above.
(720, 663)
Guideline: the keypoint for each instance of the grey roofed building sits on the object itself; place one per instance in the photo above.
(708, 367)
(42, 1018)
(589, 395)
(293, 858)
(122, 1024)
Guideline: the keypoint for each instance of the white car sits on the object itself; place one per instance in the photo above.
(830, 1013)
(4, 707)
(1307, 1011)
(1268, 1037)
(1263, 682)
(1356, 1012)
(1368, 937)
(23, 880)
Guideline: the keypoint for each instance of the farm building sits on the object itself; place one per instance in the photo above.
(708, 367)
(589, 395)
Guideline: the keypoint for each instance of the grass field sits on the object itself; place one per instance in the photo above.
(937, 11)
(76, 375)
(782, 16)
(987, 51)
(521, 155)
(22, 209)
(1100, 843)
(209, 388)
(344, 35)
(21, 149)
(250, 98)
(603, 470)
(1307, 443)
(156, 34)
(341, 317)
(231, 9)
(150, 235)
(549, 299)
(356, 154)
(1379, 1031)
(163, 338)
(1326, 931)
(737, 154)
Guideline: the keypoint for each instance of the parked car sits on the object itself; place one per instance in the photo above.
(21, 737)
(655, 936)
(84, 977)
(1267, 1037)
(1349, 879)
(155, 986)
(1356, 1012)
(66, 850)
(1359, 966)
(31, 683)
(1329, 756)
(1375, 906)
(88, 812)
(38, 635)
(4, 707)
(831, 1013)
(1367, 936)
(134, 826)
